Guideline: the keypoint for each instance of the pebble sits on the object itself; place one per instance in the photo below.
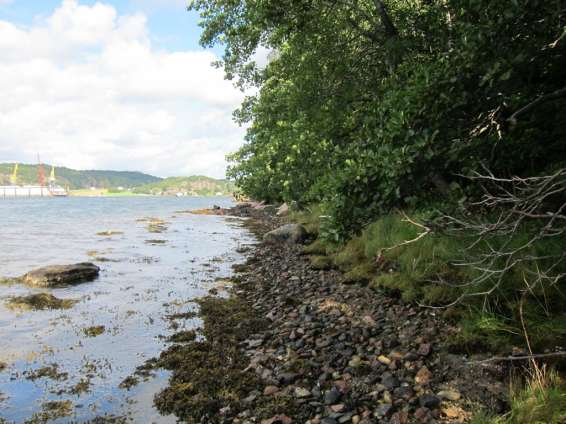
(449, 395)
(344, 353)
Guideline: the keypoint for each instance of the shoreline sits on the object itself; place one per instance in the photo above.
(291, 344)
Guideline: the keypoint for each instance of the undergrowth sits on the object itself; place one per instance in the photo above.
(400, 255)
(393, 255)
(542, 400)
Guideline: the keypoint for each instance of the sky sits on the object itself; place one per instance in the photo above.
(113, 84)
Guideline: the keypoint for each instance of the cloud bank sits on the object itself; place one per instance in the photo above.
(85, 88)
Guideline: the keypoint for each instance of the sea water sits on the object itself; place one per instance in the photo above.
(144, 277)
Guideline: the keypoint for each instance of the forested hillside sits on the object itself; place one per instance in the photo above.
(197, 185)
(74, 179)
(424, 143)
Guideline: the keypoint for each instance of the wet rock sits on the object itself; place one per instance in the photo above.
(289, 233)
(61, 275)
(39, 301)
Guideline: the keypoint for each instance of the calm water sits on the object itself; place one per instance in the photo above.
(140, 282)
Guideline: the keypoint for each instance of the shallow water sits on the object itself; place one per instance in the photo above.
(139, 284)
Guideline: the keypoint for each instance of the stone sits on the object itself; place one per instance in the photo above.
(400, 417)
(429, 401)
(278, 419)
(424, 349)
(340, 407)
(301, 392)
(332, 396)
(421, 414)
(452, 395)
(423, 376)
(355, 362)
(389, 381)
(283, 210)
(289, 233)
(383, 410)
(270, 390)
(288, 377)
(384, 359)
(61, 275)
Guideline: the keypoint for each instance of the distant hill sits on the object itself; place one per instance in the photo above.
(74, 179)
(197, 185)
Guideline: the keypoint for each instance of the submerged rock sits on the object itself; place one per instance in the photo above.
(289, 233)
(60, 275)
(39, 301)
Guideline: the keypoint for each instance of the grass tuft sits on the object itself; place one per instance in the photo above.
(542, 400)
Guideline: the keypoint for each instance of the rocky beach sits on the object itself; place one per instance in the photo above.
(286, 343)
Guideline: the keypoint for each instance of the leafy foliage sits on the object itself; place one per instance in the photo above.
(369, 105)
(196, 185)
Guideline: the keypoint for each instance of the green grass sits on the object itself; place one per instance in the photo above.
(390, 255)
(321, 262)
(310, 218)
(542, 400)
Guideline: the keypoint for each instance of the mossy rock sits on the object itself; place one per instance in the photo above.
(321, 262)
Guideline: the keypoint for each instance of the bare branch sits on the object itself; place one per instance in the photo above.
(537, 102)
(520, 358)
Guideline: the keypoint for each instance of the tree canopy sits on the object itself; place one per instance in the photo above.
(366, 105)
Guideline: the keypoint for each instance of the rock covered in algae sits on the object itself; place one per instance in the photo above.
(61, 275)
(39, 301)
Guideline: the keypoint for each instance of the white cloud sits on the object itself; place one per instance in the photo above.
(85, 88)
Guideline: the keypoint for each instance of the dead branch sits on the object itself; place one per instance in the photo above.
(502, 243)
(426, 230)
(535, 103)
(519, 358)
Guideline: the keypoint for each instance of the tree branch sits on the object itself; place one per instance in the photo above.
(537, 102)
(390, 29)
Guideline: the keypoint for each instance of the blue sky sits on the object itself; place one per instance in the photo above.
(113, 84)
(171, 26)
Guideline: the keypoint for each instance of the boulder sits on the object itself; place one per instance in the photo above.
(283, 210)
(61, 275)
(289, 233)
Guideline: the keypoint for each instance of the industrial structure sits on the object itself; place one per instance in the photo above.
(52, 189)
